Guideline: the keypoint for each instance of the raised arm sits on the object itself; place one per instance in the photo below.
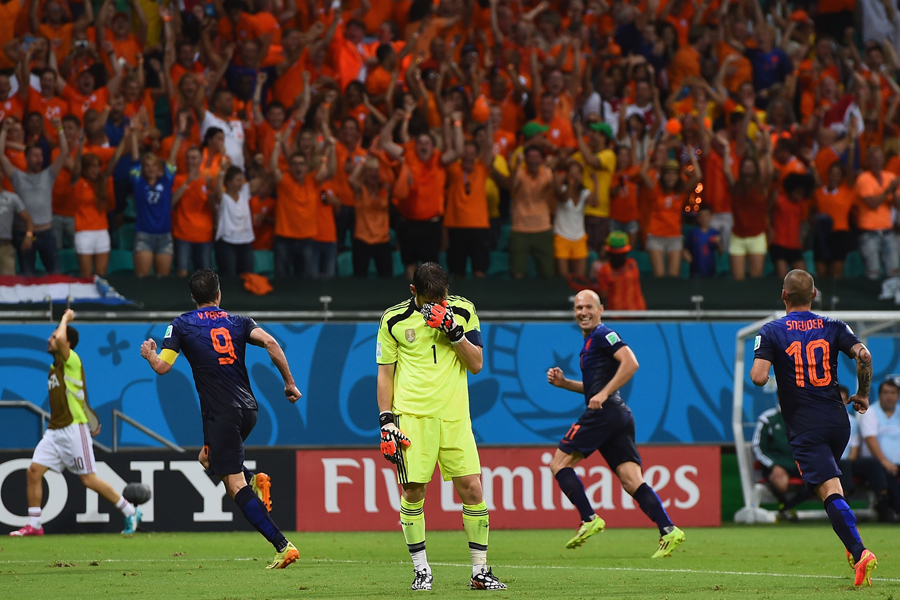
(394, 150)
(8, 168)
(260, 338)
(61, 336)
(57, 165)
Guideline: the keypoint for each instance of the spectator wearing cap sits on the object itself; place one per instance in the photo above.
(419, 232)
(875, 195)
(34, 186)
(785, 216)
(598, 158)
(833, 239)
(670, 194)
(467, 218)
(532, 189)
(619, 279)
(570, 247)
(371, 235)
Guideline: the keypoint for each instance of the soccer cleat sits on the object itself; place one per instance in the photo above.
(850, 559)
(262, 486)
(486, 581)
(867, 563)
(26, 531)
(585, 531)
(423, 581)
(132, 522)
(669, 542)
(287, 556)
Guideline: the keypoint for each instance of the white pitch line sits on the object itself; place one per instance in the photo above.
(446, 564)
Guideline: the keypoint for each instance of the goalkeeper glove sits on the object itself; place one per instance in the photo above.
(440, 316)
(392, 439)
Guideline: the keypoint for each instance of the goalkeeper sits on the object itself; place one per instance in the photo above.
(426, 344)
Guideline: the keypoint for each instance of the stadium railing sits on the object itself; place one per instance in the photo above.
(44, 415)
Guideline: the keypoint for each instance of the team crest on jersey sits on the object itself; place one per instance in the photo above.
(613, 338)
(410, 335)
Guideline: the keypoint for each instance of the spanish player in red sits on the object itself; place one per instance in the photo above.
(214, 343)
(803, 348)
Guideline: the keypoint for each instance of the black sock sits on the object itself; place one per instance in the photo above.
(255, 512)
(843, 521)
(571, 485)
(797, 499)
(653, 508)
(248, 474)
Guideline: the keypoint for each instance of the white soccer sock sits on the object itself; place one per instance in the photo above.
(479, 560)
(125, 506)
(34, 516)
(420, 561)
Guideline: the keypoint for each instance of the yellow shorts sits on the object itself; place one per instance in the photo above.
(752, 245)
(450, 444)
(569, 250)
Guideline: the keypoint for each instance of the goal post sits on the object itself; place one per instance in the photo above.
(863, 323)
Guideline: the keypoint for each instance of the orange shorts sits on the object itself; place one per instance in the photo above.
(569, 250)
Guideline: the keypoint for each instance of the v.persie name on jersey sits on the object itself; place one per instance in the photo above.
(807, 325)
(212, 314)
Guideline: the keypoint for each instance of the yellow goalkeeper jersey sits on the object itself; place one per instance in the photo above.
(429, 379)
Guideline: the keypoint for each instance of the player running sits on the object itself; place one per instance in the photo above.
(214, 343)
(803, 347)
(425, 346)
(607, 425)
(67, 441)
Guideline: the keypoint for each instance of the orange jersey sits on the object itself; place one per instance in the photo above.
(192, 219)
(622, 287)
(88, 217)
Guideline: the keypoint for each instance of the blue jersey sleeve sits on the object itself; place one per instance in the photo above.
(844, 337)
(134, 175)
(248, 325)
(764, 345)
(172, 338)
(607, 340)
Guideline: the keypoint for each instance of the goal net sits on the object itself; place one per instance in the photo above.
(878, 330)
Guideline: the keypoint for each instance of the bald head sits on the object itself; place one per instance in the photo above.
(587, 297)
(799, 288)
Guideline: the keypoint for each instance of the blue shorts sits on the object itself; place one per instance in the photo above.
(609, 430)
(817, 452)
(224, 435)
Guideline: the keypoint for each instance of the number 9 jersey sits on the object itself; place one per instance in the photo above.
(214, 343)
(803, 348)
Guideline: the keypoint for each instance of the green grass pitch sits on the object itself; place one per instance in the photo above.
(781, 561)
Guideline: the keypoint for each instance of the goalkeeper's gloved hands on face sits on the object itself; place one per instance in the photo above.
(440, 316)
(392, 439)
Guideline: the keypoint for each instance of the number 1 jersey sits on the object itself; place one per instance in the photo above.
(803, 348)
(214, 343)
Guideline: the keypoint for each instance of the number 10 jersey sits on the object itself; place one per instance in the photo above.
(803, 348)
(214, 343)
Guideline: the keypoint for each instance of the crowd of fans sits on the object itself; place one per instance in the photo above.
(699, 129)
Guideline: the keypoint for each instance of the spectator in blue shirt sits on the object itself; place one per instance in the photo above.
(702, 244)
(771, 64)
(152, 184)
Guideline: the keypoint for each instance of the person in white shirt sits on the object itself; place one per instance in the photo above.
(234, 224)
(222, 116)
(879, 429)
(570, 247)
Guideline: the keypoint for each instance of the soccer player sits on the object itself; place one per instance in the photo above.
(803, 347)
(214, 343)
(607, 425)
(67, 441)
(425, 346)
